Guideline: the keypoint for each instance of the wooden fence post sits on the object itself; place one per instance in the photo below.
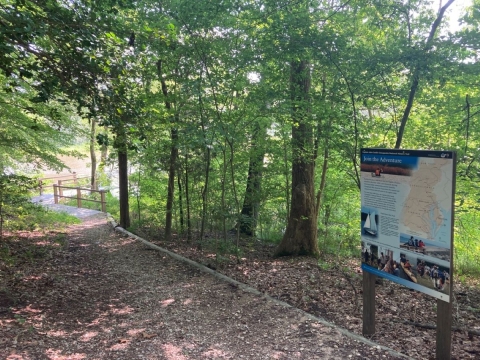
(368, 303)
(60, 189)
(444, 330)
(55, 194)
(41, 186)
(79, 197)
(102, 199)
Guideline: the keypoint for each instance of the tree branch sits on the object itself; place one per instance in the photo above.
(416, 74)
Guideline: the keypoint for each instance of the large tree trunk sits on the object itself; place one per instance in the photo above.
(123, 188)
(300, 236)
(251, 202)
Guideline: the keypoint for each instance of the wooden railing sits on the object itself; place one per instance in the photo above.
(58, 194)
(45, 182)
(61, 183)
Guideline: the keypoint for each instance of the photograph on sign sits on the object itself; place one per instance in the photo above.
(407, 217)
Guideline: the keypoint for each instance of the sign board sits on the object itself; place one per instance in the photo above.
(407, 217)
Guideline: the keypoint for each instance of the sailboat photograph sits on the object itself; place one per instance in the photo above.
(370, 225)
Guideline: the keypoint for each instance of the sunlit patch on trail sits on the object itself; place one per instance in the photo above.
(172, 352)
(88, 336)
(123, 311)
(167, 302)
(187, 301)
(135, 332)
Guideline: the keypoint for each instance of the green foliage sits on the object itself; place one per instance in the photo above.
(34, 133)
(31, 217)
(14, 191)
(149, 206)
(20, 319)
(226, 68)
(467, 247)
(325, 265)
(222, 249)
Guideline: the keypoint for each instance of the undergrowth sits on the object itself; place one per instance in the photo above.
(32, 217)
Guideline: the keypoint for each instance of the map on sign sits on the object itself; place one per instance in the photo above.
(407, 217)
(427, 210)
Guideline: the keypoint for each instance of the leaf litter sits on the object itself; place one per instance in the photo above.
(99, 295)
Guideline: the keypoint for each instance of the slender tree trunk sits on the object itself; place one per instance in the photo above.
(467, 133)
(93, 156)
(187, 199)
(180, 201)
(251, 202)
(234, 187)
(123, 188)
(205, 189)
(417, 71)
(224, 184)
(138, 195)
(103, 154)
(171, 185)
(1, 218)
(300, 236)
(205, 195)
(287, 179)
(321, 189)
(173, 157)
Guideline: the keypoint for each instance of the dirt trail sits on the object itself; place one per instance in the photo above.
(104, 296)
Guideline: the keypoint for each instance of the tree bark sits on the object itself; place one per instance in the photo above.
(287, 180)
(173, 157)
(323, 182)
(103, 155)
(205, 191)
(251, 202)
(223, 204)
(123, 188)
(300, 236)
(171, 184)
(93, 156)
(180, 201)
(1, 216)
(187, 200)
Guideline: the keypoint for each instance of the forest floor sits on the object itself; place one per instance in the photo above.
(88, 292)
(333, 291)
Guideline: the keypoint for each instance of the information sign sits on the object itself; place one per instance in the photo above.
(407, 201)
